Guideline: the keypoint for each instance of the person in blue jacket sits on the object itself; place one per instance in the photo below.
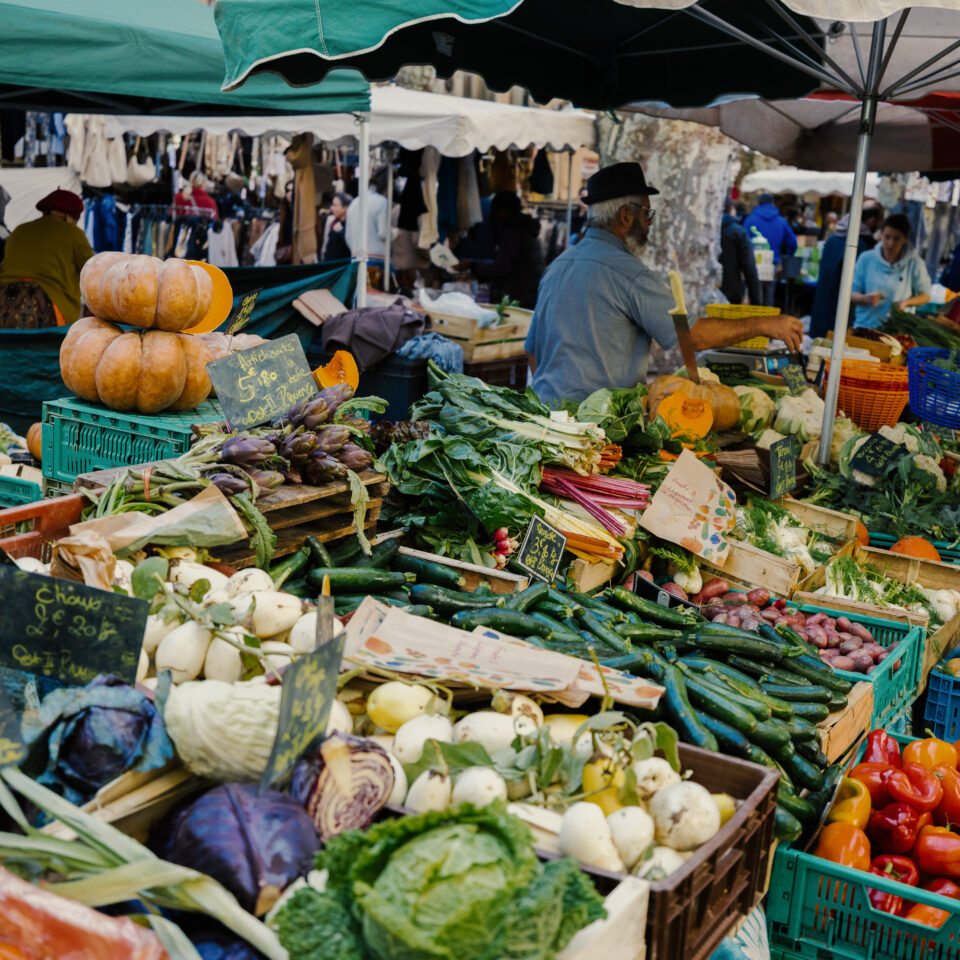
(774, 227)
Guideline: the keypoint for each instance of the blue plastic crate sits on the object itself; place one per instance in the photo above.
(15, 491)
(934, 393)
(941, 709)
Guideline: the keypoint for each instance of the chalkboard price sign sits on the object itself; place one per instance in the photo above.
(309, 689)
(876, 455)
(941, 433)
(242, 313)
(12, 750)
(729, 371)
(541, 550)
(262, 383)
(67, 631)
(794, 378)
(783, 467)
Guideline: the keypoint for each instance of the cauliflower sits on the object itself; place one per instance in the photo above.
(756, 409)
(945, 602)
(922, 462)
(768, 438)
(900, 434)
(843, 430)
(801, 416)
(847, 456)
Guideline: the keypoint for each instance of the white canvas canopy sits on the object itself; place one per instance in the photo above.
(809, 184)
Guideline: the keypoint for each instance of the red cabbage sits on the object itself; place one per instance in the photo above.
(254, 844)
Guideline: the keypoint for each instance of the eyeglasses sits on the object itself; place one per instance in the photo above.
(646, 211)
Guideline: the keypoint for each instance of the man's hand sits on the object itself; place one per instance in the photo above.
(874, 299)
(788, 329)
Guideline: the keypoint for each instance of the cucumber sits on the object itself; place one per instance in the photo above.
(560, 632)
(810, 750)
(428, 571)
(812, 712)
(291, 568)
(600, 630)
(381, 555)
(786, 827)
(357, 579)
(653, 611)
(802, 772)
(319, 555)
(771, 735)
(525, 599)
(450, 602)
(731, 741)
(801, 807)
(299, 588)
(506, 621)
(646, 632)
(726, 643)
(795, 694)
(706, 699)
(814, 670)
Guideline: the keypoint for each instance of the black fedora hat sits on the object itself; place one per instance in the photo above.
(618, 180)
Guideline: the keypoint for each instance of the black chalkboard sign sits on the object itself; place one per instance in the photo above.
(67, 631)
(262, 383)
(309, 689)
(729, 371)
(794, 378)
(240, 316)
(941, 433)
(12, 750)
(783, 467)
(5, 558)
(541, 550)
(876, 455)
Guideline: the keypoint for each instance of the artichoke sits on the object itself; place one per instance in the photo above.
(267, 480)
(298, 447)
(310, 413)
(332, 437)
(354, 457)
(322, 468)
(229, 484)
(335, 395)
(385, 432)
(246, 451)
(358, 423)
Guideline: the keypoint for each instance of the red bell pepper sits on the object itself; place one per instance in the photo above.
(915, 785)
(929, 752)
(894, 829)
(881, 748)
(948, 811)
(872, 775)
(934, 916)
(937, 852)
(895, 868)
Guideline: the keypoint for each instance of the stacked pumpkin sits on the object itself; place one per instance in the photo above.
(155, 368)
(692, 409)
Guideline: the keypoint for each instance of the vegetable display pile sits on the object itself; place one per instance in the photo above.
(776, 530)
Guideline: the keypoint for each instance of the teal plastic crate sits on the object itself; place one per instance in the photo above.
(15, 491)
(818, 910)
(79, 437)
(949, 552)
(896, 680)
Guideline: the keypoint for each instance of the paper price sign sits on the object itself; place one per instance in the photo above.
(67, 631)
(262, 383)
(783, 468)
(876, 455)
(309, 689)
(794, 378)
(241, 314)
(541, 550)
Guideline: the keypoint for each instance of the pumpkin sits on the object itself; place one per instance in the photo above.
(723, 401)
(863, 534)
(146, 292)
(35, 440)
(145, 371)
(916, 547)
(687, 417)
(341, 369)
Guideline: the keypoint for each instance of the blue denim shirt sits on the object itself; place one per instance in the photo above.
(597, 310)
(898, 281)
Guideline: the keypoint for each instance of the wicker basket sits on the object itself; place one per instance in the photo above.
(872, 394)
(737, 311)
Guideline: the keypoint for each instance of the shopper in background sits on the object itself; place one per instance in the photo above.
(767, 220)
(737, 260)
(891, 274)
(824, 313)
(40, 272)
(284, 254)
(332, 242)
(193, 200)
(830, 220)
(378, 217)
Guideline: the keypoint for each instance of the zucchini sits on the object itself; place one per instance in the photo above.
(345, 552)
(525, 599)
(557, 610)
(646, 632)
(728, 672)
(812, 712)
(759, 709)
(705, 697)
(629, 662)
(801, 771)
(786, 827)
(299, 588)
(760, 756)
(749, 688)
(810, 750)
(601, 631)
(801, 730)
(560, 631)
(653, 611)
(836, 702)
(565, 600)
(428, 571)
(319, 555)
(291, 568)
(449, 602)
(749, 645)
(771, 735)
(731, 741)
(600, 609)
(831, 779)
(763, 671)
(683, 718)
(357, 579)
(814, 670)
(789, 691)
(381, 555)
(511, 622)
(801, 807)
(787, 633)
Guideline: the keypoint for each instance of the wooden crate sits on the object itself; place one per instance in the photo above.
(843, 728)
(586, 575)
(499, 581)
(829, 523)
(749, 566)
(485, 343)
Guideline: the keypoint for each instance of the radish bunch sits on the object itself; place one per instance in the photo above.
(504, 545)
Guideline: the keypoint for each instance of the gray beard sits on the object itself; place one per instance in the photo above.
(635, 244)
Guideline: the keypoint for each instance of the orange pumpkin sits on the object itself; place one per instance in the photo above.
(685, 416)
(341, 369)
(723, 401)
(916, 547)
(863, 534)
(35, 440)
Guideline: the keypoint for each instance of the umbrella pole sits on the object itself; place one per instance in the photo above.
(364, 149)
(386, 254)
(569, 198)
(868, 113)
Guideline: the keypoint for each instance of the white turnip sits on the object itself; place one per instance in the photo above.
(432, 790)
(182, 651)
(632, 831)
(410, 739)
(685, 815)
(479, 786)
(586, 835)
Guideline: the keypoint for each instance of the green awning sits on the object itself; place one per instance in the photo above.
(597, 54)
(141, 56)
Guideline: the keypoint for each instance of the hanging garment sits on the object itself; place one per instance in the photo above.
(429, 169)
(541, 178)
(95, 164)
(469, 210)
(376, 224)
(412, 205)
(264, 250)
(12, 128)
(448, 180)
(221, 246)
(300, 156)
(503, 176)
(371, 333)
(117, 160)
(58, 131)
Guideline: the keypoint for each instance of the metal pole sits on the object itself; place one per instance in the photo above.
(386, 253)
(569, 198)
(361, 254)
(868, 113)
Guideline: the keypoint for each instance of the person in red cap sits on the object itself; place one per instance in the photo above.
(40, 273)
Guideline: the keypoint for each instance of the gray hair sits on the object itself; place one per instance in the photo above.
(604, 213)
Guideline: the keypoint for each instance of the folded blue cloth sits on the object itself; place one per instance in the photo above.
(446, 354)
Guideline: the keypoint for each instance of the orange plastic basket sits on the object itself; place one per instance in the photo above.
(872, 394)
(737, 311)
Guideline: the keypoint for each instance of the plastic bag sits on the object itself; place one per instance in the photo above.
(459, 305)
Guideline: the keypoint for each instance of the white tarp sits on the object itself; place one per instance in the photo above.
(27, 185)
(456, 126)
(808, 184)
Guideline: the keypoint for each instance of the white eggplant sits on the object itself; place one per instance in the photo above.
(493, 731)
(223, 661)
(276, 654)
(187, 573)
(143, 667)
(273, 612)
(632, 832)
(430, 791)
(660, 864)
(182, 651)
(303, 634)
(410, 738)
(586, 835)
(653, 774)
(33, 565)
(156, 629)
(247, 581)
(392, 704)
(685, 815)
(340, 718)
(399, 792)
(479, 786)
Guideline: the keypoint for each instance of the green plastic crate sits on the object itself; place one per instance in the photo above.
(79, 437)
(949, 552)
(55, 488)
(894, 687)
(15, 491)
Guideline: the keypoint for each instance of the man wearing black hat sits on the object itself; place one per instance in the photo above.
(599, 307)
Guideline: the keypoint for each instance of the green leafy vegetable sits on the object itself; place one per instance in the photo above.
(317, 926)
(618, 412)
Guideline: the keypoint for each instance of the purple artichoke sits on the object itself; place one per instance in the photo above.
(332, 437)
(321, 468)
(354, 457)
(245, 451)
(298, 447)
(358, 423)
(267, 480)
(315, 413)
(229, 484)
(335, 395)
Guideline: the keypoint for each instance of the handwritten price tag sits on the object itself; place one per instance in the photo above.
(783, 467)
(240, 317)
(794, 378)
(876, 455)
(541, 550)
(729, 371)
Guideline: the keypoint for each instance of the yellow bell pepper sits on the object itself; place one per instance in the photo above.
(852, 804)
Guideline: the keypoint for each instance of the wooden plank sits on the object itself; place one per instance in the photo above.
(588, 576)
(500, 581)
(317, 510)
(926, 573)
(831, 523)
(841, 729)
(757, 568)
(937, 646)
(492, 351)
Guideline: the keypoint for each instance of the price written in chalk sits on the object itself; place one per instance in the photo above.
(541, 550)
(729, 371)
(241, 314)
(876, 455)
(794, 378)
(262, 383)
(68, 631)
(783, 467)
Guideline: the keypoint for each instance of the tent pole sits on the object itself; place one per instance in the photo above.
(868, 114)
(569, 198)
(386, 254)
(364, 187)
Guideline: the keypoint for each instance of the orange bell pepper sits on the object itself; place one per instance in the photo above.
(845, 844)
(934, 916)
(929, 752)
(937, 852)
(852, 804)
